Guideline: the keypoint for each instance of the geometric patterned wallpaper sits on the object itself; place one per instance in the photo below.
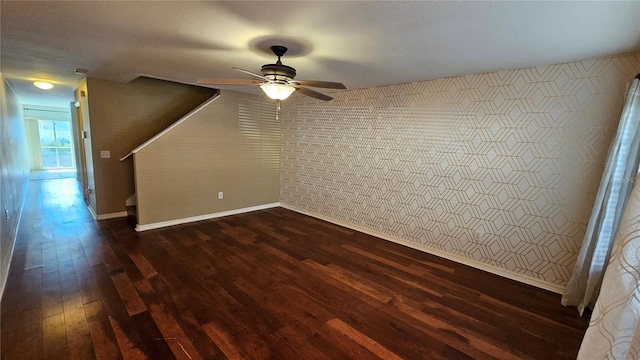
(497, 168)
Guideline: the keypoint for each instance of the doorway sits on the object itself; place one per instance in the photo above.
(51, 139)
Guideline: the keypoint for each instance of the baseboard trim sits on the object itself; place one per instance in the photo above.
(106, 216)
(92, 212)
(459, 259)
(162, 224)
(112, 215)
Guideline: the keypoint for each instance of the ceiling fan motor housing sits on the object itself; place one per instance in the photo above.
(278, 72)
(277, 80)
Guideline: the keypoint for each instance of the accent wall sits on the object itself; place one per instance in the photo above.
(495, 170)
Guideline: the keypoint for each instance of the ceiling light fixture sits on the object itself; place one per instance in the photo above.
(277, 91)
(277, 80)
(44, 85)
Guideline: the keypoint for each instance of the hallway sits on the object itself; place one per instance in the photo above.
(51, 251)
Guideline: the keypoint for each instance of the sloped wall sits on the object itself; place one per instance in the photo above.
(232, 146)
(122, 116)
(14, 174)
(497, 170)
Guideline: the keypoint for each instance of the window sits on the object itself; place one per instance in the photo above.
(55, 144)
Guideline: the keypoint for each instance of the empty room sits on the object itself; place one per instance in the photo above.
(320, 180)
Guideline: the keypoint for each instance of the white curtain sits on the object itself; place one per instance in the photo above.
(616, 184)
(614, 331)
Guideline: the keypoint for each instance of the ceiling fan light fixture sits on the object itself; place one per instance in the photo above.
(277, 80)
(44, 85)
(277, 91)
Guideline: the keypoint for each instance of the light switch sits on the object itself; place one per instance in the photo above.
(105, 154)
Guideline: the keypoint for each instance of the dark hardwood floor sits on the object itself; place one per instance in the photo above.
(270, 284)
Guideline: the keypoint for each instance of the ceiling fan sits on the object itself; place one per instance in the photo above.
(277, 80)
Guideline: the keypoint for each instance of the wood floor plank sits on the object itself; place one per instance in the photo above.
(24, 331)
(326, 347)
(91, 252)
(31, 289)
(128, 294)
(49, 257)
(351, 348)
(300, 344)
(185, 289)
(33, 258)
(128, 347)
(143, 265)
(51, 294)
(411, 269)
(113, 303)
(464, 340)
(351, 280)
(269, 284)
(224, 340)
(361, 339)
(150, 336)
(164, 296)
(54, 339)
(109, 259)
(78, 336)
(89, 288)
(301, 312)
(102, 336)
(172, 332)
(68, 278)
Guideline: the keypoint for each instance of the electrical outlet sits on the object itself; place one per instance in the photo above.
(220, 195)
(105, 154)
(6, 214)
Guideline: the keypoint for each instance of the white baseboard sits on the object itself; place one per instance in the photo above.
(106, 216)
(112, 215)
(459, 259)
(92, 212)
(162, 224)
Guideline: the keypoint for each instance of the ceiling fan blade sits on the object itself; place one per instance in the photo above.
(312, 93)
(320, 84)
(252, 74)
(229, 81)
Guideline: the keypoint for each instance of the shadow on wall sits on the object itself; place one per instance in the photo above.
(231, 146)
(120, 117)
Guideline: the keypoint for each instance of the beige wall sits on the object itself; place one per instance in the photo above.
(232, 145)
(14, 173)
(124, 115)
(514, 155)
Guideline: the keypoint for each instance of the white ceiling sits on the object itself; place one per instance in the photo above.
(361, 44)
